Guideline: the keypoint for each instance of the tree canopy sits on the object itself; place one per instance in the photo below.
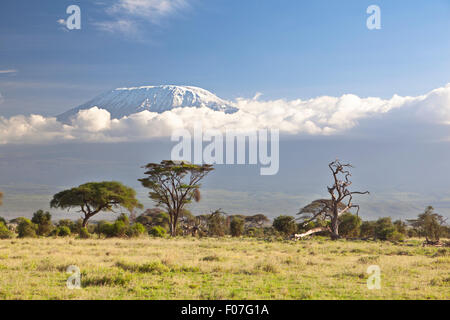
(173, 184)
(94, 197)
(429, 224)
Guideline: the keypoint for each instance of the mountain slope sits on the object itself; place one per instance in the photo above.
(125, 101)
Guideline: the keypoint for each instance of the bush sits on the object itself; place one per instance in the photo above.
(154, 217)
(285, 225)
(237, 226)
(63, 231)
(255, 232)
(412, 233)
(3, 220)
(43, 220)
(157, 231)
(124, 218)
(77, 225)
(119, 229)
(384, 229)
(26, 228)
(396, 236)
(104, 227)
(116, 229)
(217, 224)
(66, 223)
(401, 227)
(350, 225)
(5, 233)
(84, 233)
(135, 230)
(368, 229)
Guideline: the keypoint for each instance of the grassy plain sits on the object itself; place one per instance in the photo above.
(189, 268)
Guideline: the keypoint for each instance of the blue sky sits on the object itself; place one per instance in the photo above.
(284, 49)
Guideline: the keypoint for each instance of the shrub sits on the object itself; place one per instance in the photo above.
(124, 218)
(135, 230)
(401, 227)
(84, 233)
(384, 229)
(116, 229)
(5, 233)
(266, 267)
(285, 225)
(412, 233)
(211, 258)
(396, 236)
(154, 217)
(368, 229)
(26, 228)
(157, 231)
(104, 227)
(255, 232)
(217, 224)
(350, 225)
(77, 225)
(237, 226)
(3, 220)
(119, 229)
(43, 220)
(66, 223)
(63, 231)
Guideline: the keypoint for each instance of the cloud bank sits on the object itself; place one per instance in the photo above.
(322, 116)
(127, 16)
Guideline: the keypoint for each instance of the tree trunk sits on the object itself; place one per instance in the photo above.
(175, 226)
(309, 232)
(172, 229)
(85, 222)
(335, 226)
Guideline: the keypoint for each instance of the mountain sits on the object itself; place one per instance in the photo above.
(125, 101)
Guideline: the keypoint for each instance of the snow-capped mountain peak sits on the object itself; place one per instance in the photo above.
(125, 101)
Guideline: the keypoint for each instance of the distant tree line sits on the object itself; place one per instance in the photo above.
(174, 184)
(428, 225)
(156, 222)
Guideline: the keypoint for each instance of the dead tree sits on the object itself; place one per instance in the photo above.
(331, 209)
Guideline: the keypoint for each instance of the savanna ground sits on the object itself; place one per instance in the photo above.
(189, 268)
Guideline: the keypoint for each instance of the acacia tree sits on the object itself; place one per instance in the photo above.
(173, 184)
(429, 224)
(94, 197)
(326, 212)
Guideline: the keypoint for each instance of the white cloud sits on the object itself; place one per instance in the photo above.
(8, 71)
(318, 116)
(127, 16)
(150, 9)
(123, 26)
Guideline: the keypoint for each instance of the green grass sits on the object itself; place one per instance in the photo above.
(189, 268)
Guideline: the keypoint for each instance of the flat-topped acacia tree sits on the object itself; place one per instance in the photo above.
(173, 184)
(94, 197)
